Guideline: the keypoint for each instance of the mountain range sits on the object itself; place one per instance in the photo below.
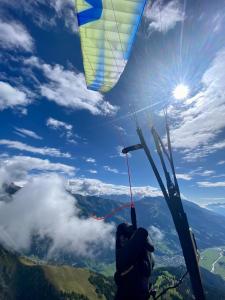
(33, 278)
(152, 214)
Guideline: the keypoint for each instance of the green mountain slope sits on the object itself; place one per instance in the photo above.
(24, 278)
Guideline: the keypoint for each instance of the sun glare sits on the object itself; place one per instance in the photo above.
(181, 91)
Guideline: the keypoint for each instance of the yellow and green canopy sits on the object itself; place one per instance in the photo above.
(107, 30)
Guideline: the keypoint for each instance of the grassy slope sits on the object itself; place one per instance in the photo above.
(208, 257)
(220, 267)
(22, 278)
(69, 279)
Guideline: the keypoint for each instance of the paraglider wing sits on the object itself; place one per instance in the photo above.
(107, 30)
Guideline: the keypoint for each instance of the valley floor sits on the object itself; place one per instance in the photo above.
(213, 259)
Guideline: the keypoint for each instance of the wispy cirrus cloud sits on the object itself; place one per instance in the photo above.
(11, 97)
(65, 129)
(162, 16)
(217, 21)
(109, 169)
(13, 35)
(120, 129)
(184, 176)
(113, 170)
(207, 173)
(27, 148)
(199, 172)
(93, 171)
(67, 88)
(56, 124)
(90, 160)
(25, 132)
(208, 184)
(201, 118)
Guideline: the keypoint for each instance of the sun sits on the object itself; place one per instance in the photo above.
(181, 91)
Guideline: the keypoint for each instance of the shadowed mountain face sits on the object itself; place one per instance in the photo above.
(7, 190)
(208, 227)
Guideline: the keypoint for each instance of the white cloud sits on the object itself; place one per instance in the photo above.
(202, 151)
(68, 88)
(15, 36)
(56, 124)
(183, 176)
(218, 175)
(11, 97)
(207, 173)
(93, 171)
(217, 21)
(59, 125)
(66, 10)
(222, 162)
(22, 110)
(88, 186)
(24, 147)
(208, 184)
(17, 168)
(90, 160)
(121, 129)
(155, 233)
(45, 208)
(26, 132)
(109, 169)
(119, 151)
(163, 17)
(47, 13)
(201, 118)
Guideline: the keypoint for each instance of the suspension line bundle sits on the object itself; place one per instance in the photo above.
(171, 193)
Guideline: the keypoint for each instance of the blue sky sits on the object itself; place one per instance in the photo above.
(50, 122)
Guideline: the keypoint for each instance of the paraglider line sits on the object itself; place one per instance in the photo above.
(110, 215)
(129, 177)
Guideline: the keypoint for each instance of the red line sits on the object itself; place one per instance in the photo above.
(131, 204)
(112, 213)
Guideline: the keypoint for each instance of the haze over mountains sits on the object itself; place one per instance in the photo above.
(218, 208)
